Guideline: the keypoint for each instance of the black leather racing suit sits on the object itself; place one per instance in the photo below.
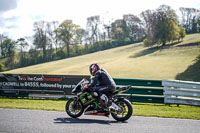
(105, 83)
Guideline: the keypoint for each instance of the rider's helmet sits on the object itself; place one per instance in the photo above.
(94, 68)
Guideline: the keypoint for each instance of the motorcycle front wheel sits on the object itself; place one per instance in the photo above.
(126, 110)
(74, 108)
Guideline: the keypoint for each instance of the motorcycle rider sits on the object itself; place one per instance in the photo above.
(102, 83)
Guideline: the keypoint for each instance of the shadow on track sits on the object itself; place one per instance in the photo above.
(84, 121)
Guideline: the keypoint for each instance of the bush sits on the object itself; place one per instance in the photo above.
(3, 68)
(182, 33)
(147, 42)
(60, 54)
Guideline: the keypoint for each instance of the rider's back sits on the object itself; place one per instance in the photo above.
(105, 79)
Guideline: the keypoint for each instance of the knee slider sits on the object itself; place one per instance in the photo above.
(95, 94)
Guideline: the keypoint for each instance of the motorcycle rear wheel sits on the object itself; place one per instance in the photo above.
(126, 110)
(74, 108)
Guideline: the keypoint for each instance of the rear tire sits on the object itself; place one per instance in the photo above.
(126, 112)
(74, 108)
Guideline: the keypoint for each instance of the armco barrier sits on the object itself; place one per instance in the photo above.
(147, 91)
(181, 92)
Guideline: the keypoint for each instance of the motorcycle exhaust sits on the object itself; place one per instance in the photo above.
(115, 107)
(95, 112)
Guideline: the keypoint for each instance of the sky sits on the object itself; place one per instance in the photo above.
(17, 16)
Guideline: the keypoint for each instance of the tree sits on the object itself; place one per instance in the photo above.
(79, 34)
(66, 32)
(166, 25)
(41, 37)
(163, 26)
(22, 43)
(93, 28)
(149, 22)
(190, 18)
(2, 49)
(182, 33)
(54, 34)
(8, 48)
(107, 27)
(134, 27)
(33, 56)
(119, 30)
(86, 38)
(118, 34)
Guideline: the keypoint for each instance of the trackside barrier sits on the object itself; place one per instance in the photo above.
(59, 86)
(38, 85)
(181, 92)
(146, 91)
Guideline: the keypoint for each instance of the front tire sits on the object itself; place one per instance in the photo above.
(126, 110)
(74, 108)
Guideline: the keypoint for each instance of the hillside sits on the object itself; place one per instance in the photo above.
(177, 61)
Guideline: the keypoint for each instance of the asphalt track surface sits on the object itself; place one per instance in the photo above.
(36, 121)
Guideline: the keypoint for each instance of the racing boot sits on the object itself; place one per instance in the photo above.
(106, 100)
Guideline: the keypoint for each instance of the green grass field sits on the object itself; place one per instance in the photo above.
(132, 61)
(139, 109)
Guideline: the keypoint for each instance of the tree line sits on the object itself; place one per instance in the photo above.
(54, 40)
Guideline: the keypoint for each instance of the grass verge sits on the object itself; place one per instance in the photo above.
(51, 105)
(161, 110)
(139, 109)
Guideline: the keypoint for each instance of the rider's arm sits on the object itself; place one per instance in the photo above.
(94, 80)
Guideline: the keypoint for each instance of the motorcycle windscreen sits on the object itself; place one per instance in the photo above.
(77, 88)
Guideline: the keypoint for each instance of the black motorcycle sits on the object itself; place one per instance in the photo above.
(120, 108)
